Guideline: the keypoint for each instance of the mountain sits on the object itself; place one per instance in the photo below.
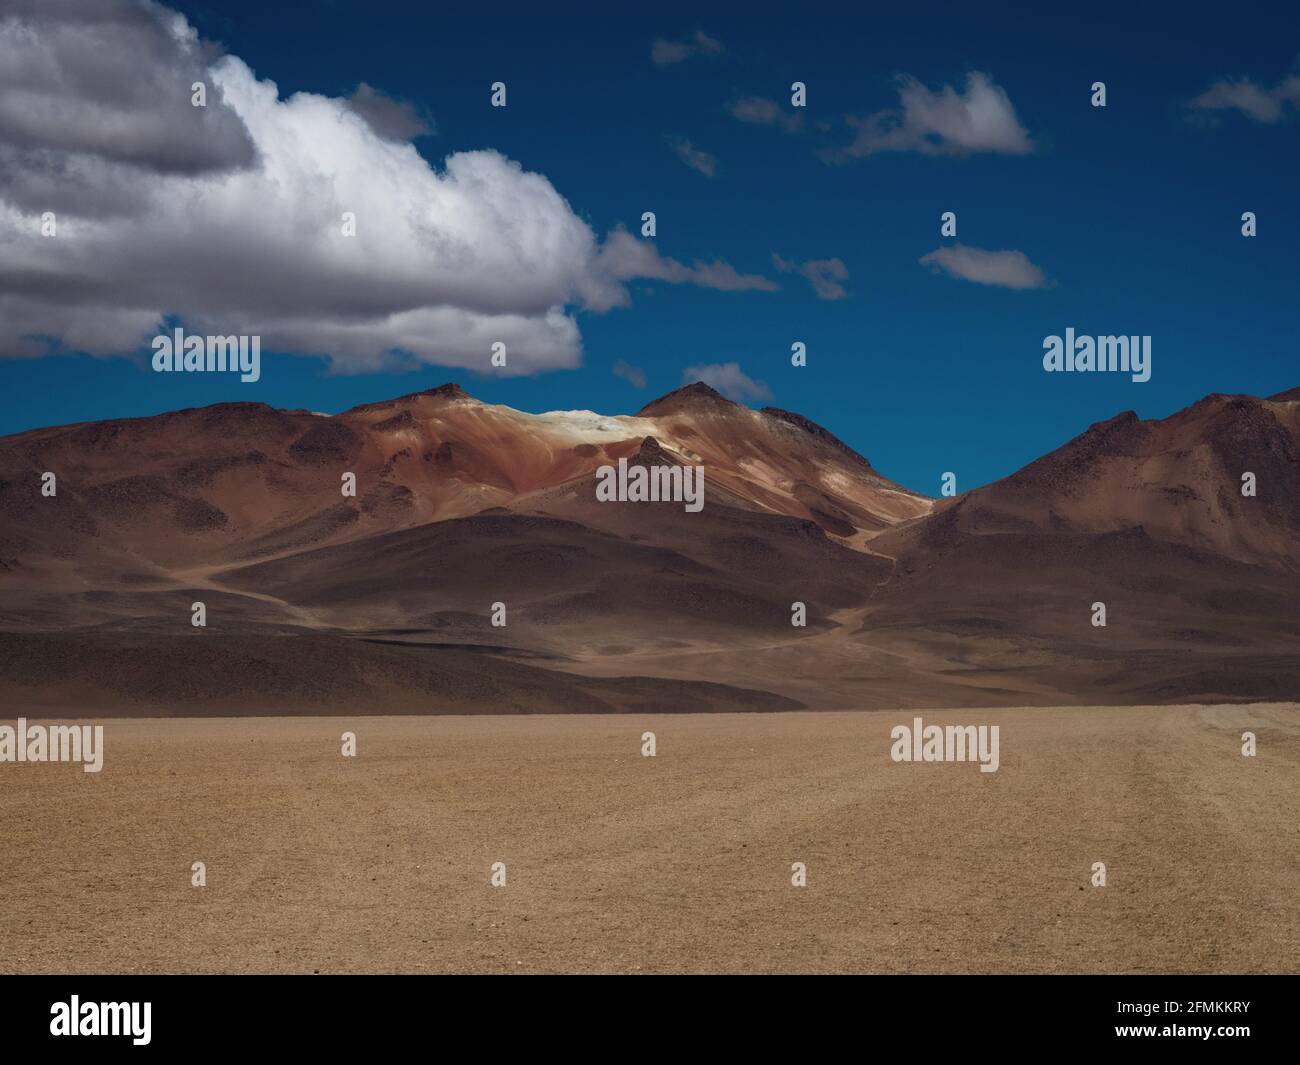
(1199, 580)
(241, 481)
(1179, 480)
(321, 602)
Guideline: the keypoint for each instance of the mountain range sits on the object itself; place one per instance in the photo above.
(466, 513)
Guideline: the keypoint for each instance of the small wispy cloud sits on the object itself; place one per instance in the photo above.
(394, 120)
(1005, 269)
(729, 379)
(942, 122)
(760, 111)
(624, 256)
(667, 53)
(1260, 104)
(693, 157)
(633, 375)
(825, 275)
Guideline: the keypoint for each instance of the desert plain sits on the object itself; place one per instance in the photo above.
(677, 863)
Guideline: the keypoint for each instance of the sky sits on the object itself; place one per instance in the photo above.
(775, 224)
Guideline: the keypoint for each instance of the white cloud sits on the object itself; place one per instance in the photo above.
(396, 120)
(1263, 105)
(666, 53)
(760, 111)
(946, 122)
(446, 259)
(1005, 269)
(705, 163)
(729, 379)
(633, 375)
(825, 275)
(111, 81)
(622, 258)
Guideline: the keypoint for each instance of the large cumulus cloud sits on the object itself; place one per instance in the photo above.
(230, 217)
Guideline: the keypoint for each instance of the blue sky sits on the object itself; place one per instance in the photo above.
(1131, 212)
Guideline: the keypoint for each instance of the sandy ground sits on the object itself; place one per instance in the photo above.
(677, 863)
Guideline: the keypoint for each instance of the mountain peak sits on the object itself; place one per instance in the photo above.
(652, 453)
(451, 390)
(813, 429)
(695, 394)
